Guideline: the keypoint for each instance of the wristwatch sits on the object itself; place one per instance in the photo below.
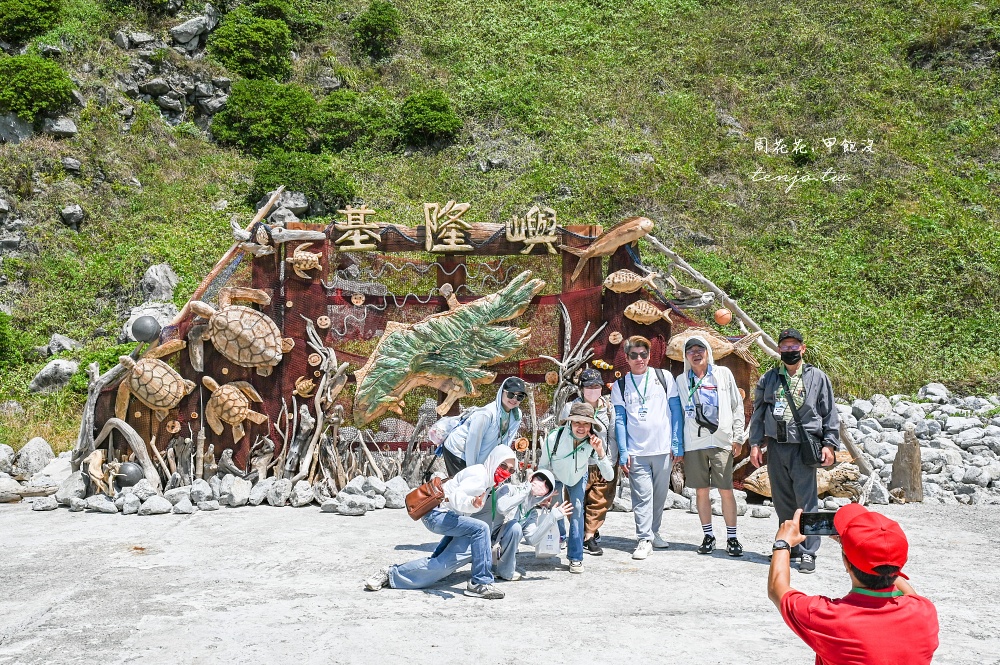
(780, 545)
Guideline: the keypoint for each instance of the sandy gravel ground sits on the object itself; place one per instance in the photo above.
(268, 585)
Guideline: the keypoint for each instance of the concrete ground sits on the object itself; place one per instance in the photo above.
(269, 585)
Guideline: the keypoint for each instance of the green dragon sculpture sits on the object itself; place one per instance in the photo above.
(444, 351)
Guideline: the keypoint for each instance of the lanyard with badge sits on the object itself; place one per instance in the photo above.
(780, 404)
(689, 410)
(641, 413)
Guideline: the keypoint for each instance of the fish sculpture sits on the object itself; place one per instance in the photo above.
(623, 233)
(646, 313)
(626, 281)
(721, 346)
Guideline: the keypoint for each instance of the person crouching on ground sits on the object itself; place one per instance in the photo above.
(464, 495)
(713, 435)
(486, 428)
(600, 493)
(568, 451)
(512, 514)
(882, 620)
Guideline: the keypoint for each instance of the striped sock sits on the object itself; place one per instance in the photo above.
(707, 528)
(730, 531)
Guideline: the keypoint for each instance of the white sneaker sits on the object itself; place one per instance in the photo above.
(378, 581)
(576, 566)
(486, 591)
(660, 543)
(643, 549)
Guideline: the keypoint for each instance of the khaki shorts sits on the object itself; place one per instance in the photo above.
(709, 467)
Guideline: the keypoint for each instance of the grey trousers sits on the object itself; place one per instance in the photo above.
(649, 480)
(793, 486)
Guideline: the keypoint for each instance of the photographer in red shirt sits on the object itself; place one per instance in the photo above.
(882, 621)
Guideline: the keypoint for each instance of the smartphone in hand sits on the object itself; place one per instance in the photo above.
(817, 524)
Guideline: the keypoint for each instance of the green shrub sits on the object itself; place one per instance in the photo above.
(313, 175)
(11, 352)
(427, 117)
(20, 20)
(263, 115)
(105, 358)
(347, 118)
(253, 47)
(302, 24)
(376, 30)
(32, 84)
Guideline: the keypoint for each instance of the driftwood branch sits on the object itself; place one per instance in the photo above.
(134, 442)
(765, 341)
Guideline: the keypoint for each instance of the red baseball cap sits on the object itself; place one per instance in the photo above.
(870, 539)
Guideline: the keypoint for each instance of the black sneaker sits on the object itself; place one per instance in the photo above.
(807, 564)
(733, 547)
(707, 545)
(597, 536)
(591, 547)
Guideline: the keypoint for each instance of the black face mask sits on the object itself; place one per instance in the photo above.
(791, 357)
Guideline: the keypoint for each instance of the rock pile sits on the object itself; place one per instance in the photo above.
(959, 441)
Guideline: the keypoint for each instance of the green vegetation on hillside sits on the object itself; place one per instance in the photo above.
(601, 110)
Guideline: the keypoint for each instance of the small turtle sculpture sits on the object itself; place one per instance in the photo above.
(230, 404)
(302, 260)
(243, 335)
(153, 382)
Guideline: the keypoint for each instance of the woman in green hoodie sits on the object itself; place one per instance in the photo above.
(567, 452)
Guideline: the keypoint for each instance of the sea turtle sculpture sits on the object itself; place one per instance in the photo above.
(230, 404)
(153, 382)
(243, 335)
(302, 260)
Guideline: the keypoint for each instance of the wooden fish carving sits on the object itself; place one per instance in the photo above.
(626, 281)
(721, 346)
(623, 233)
(646, 313)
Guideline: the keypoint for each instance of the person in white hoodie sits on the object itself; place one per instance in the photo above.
(568, 451)
(464, 495)
(713, 435)
(513, 513)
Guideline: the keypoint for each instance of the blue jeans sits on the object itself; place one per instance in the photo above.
(452, 525)
(577, 493)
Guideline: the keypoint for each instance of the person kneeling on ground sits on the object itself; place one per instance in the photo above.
(713, 434)
(882, 620)
(568, 451)
(464, 495)
(519, 502)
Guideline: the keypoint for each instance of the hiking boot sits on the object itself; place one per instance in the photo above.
(643, 549)
(486, 591)
(378, 581)
(590, 546)
(576, 566)
(660, 543)
(807, 564)
(707, 545)
(733, 547)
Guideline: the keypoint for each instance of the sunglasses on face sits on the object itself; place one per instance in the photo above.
(695, 350)
(636, 355)
(792, 347)
(517, 397)
(507, 467)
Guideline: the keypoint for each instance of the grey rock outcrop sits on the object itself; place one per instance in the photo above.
(32, 458)
(99, 503)
(45, 503)
(201, 491)
(155, 505)
(14, 129)
(302, 494)
(54, 376)
(280, 491)
(259, 492)
(131, 505)
(159, 282)
(184, 506)
(73, 487)
(61, 127)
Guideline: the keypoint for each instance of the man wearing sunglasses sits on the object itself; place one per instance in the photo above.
(488, 427)
(793, 482)
(648, 418)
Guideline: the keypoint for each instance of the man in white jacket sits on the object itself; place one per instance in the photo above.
(713, 435)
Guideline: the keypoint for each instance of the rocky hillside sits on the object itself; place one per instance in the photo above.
(832, 168)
